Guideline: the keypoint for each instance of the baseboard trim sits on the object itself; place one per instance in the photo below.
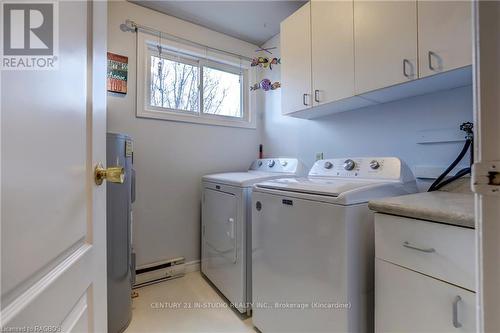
(192, 266)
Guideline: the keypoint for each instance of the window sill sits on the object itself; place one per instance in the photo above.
(196, 119)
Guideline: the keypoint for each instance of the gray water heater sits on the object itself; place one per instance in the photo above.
(119, 197)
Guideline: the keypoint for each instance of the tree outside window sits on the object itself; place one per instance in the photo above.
(175, 85)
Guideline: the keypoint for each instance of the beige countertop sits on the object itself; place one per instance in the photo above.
(439, 206)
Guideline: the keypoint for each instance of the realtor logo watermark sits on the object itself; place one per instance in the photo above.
(30, 35)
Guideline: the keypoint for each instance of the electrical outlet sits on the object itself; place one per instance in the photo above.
(319, 156)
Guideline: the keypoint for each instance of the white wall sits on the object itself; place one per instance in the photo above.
(385, 130)
(170, 157)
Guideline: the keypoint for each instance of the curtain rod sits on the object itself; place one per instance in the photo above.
(130, 25)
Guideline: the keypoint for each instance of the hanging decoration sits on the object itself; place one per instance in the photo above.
(117, 73)
(265, 62)
(266, 85)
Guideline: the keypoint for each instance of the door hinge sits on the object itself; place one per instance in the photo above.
(486, 178)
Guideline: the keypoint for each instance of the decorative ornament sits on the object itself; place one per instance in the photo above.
(266, 85)
(117, 73)
(274, 61)
(265, 62)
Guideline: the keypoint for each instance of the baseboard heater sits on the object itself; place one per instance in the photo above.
(160, 271)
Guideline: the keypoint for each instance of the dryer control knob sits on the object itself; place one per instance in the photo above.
(284, 163)
(349, 164)
(374, 165)
(328, 165)
(259, 163)
(271, 163)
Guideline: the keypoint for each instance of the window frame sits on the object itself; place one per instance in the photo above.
(146, 110)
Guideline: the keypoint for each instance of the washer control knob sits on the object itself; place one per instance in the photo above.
(328, 165)
(259, 163)
(374, 165)
(284, 163)
(271, 163)
(349, 164)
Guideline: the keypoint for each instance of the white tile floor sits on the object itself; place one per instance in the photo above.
(192, 289)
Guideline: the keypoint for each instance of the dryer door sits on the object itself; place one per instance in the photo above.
(220, 224)
(221, 259)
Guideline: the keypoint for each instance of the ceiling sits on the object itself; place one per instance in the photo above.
(251, 21)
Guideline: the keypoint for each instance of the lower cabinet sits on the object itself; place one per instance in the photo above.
(407, 301)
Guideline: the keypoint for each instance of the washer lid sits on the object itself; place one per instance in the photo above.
(243, 179)
(321, 186)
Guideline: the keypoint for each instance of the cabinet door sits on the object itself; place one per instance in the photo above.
(385, 43)
(444, 36)
(296, 61)
(332, 50)
(407, 301)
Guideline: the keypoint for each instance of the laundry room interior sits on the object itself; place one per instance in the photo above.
(193, 265)
(270, 166)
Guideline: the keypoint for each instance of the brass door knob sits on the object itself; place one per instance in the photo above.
(111, 174)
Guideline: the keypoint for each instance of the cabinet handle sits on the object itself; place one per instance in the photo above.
(428, 250)
(405, 73)
(316, 95)
(431, 54)
(456, 323)
(304, 99)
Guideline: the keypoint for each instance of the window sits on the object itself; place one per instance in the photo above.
(221, 93)
(174, 85)
(183, 87)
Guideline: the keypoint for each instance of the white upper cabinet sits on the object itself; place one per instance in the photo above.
(444, 36)
(296, 91)
(385, 43)
(343, 55)
(332, 50)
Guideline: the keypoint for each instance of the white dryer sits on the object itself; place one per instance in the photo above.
(313, 246)
(226, 226)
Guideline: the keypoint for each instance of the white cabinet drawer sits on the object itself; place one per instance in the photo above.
(406, 301)
(442, 251)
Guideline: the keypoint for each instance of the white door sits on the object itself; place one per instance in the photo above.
(444, 36)
(296, 61)
(486, 15)
(407, 301)
(385, 43)
(53, 215)
(332, 50)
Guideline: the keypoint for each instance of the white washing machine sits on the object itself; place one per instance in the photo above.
(226, 226)
(313, 246)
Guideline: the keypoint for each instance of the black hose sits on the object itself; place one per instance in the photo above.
(471, 154)
(459, 174)
(452, 165)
